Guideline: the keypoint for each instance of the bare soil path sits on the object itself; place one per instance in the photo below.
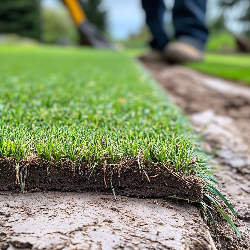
(56, 220)
(221, 111)
(70, 220)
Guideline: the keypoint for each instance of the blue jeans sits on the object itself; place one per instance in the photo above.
(188, 21)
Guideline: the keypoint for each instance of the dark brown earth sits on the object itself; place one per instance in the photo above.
(127, 178)
(76, 220)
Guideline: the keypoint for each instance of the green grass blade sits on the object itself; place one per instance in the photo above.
(217, 192)
(209, 215)
(214, 224)
(213, 180)
(92, 169)
(223, 214)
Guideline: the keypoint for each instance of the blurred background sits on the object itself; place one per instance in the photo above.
(122, 21)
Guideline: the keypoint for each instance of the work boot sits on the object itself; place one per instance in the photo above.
(152, 55)
(179, 52)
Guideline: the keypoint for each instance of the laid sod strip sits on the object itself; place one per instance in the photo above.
(233, 67)
(95, 108)
(74, 119)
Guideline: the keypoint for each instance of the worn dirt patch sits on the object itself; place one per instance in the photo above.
(55, 220)
(221, 111)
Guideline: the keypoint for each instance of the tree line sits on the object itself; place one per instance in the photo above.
(27, 18)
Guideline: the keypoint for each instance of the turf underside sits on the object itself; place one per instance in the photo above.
(89, 106)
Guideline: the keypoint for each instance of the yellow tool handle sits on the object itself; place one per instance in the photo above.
(76, 11)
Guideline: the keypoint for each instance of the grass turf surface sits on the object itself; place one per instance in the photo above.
(83, 104)
(230, 66)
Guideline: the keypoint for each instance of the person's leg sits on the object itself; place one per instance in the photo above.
(154, 10)
(189, 22)
(190, 31)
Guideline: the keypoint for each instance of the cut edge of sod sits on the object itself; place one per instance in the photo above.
(93, 137)
(132, 176)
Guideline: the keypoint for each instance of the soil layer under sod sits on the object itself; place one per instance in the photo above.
(127, 178)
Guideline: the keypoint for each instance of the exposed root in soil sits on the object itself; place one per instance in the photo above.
(125, 178)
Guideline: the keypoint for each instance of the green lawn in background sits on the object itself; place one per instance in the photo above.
(83, 104)
(135, 52)
(221, 42)
(230, 66)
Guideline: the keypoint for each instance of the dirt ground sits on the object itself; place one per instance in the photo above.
(72, 220)
(220, 111)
